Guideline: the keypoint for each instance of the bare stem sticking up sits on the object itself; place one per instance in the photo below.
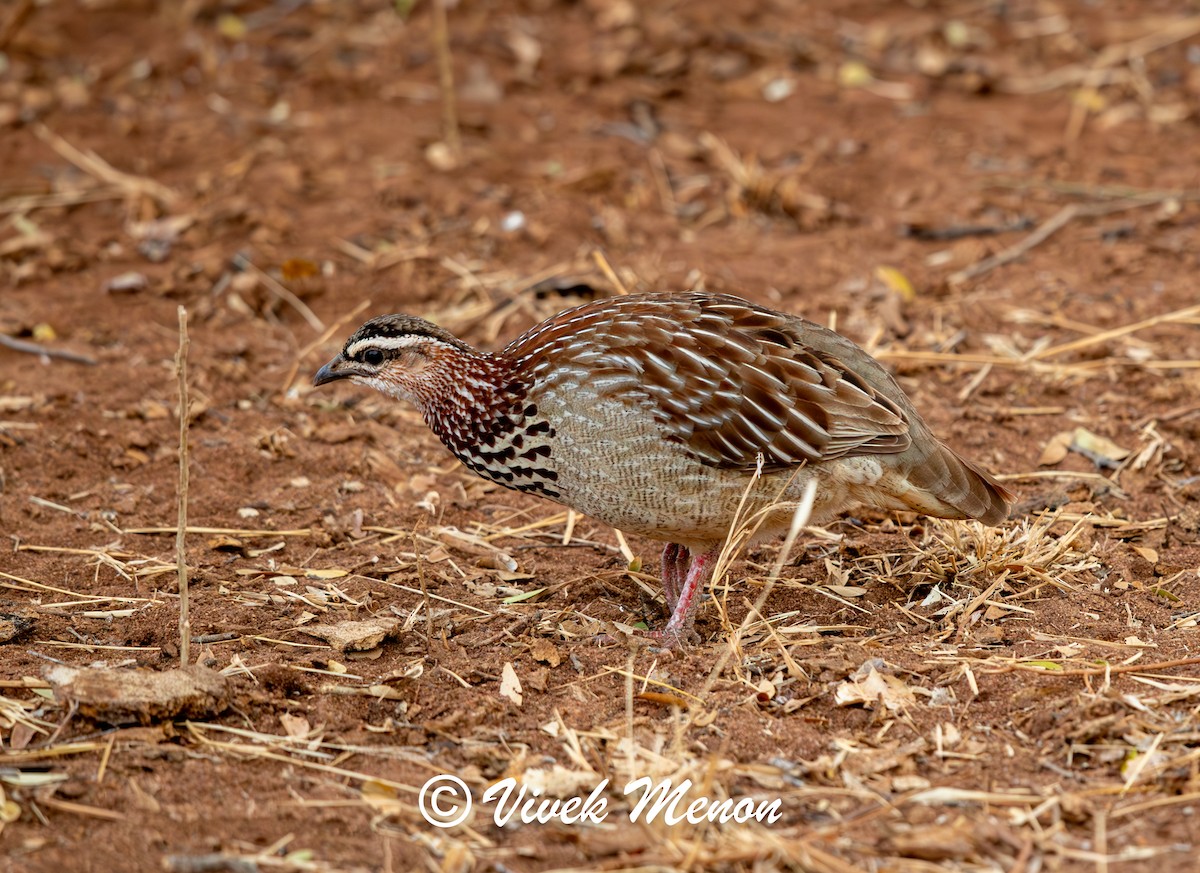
(185, 624)
(441, 39)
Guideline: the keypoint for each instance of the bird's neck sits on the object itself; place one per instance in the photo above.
(468, 398)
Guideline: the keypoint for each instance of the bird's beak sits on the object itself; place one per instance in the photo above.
(333, 371)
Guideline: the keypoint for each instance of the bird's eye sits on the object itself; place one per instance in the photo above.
(374, 357)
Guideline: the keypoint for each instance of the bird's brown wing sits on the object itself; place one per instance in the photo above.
(730, 380)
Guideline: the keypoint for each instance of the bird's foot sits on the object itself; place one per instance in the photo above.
(667, 639)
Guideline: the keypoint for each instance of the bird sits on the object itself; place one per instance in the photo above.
(665, 414)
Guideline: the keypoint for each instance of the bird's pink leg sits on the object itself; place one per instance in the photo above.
(683, 577)
(674, 569)
(683, 615)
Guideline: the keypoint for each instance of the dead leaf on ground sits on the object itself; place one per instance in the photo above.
(510, 685)
(543, 650)
(1101, 451)
(1055, 450)
(295, 726)
(355, 636)
(870, 687)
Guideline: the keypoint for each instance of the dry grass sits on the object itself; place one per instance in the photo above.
(890, 791)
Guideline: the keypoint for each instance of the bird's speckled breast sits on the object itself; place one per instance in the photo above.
(618, 465)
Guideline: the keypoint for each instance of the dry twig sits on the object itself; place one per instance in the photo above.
(185, 623)
(35, 349)
(281, 291)
(441, 39)
(320, 341)
(1044, 231)
(21, 14)
(1050, 227)
(97, 167)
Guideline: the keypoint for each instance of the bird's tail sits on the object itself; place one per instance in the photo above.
(945, 484)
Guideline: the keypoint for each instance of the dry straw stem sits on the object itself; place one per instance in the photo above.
(31, 585)
(739, 534)
(441, 41)
(1096, 192)
(97, 167)
(1105, 670)
(29, 202)
(282, 292)
(609, 273)
(276, 748)
(1111, 56)
(185, 623)
(1044, 231)
(1099, 72)
(325, 336)
(1041, 357)
(383, 259)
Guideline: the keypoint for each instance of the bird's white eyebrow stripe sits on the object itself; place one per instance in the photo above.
(389, 343)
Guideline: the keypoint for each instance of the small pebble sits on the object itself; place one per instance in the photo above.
(778, 90)
(126, 283)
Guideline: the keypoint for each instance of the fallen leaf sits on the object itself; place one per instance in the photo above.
(854, 74)
(354, 636)
(299, 268)
(1149, 554)
(1056, 449)
(936, 842)
(295, 726)
(558, 781)
(9, 811)
(510, 685)
(896, 281)
(331, 573)
(231, 27)
(383, 692)
(666, 699)
(524, 595)
(846, 590)
(873, 688)
(415, 670)
(1102, 451)
(1045, 665)
(545, 651)
(127, 283)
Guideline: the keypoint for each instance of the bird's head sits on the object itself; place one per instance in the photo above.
(400, 355)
